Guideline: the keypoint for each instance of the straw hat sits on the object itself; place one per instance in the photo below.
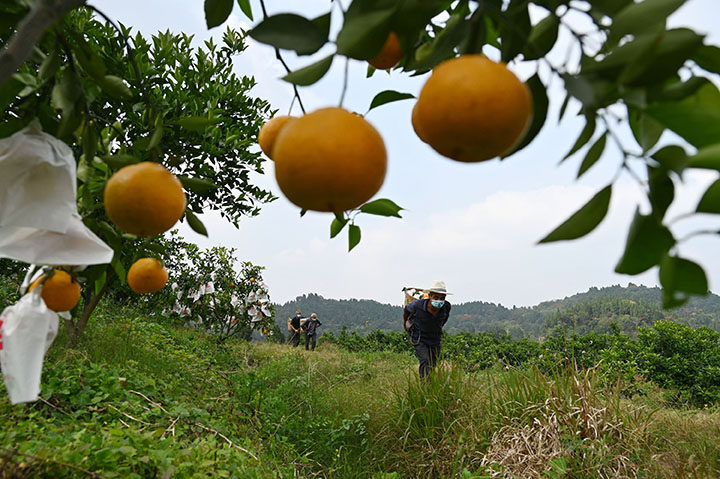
(437, 287)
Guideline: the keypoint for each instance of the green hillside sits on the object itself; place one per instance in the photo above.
(629, 307)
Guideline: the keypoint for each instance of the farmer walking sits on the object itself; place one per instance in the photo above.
(310, 328)
(295, 329)
(427, 318)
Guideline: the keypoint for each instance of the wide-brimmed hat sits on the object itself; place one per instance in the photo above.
(437, 287)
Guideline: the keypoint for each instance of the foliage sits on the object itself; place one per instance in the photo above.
(117, 98)
(676, 356)
(211, 290)
(595, 310)
(671, 355)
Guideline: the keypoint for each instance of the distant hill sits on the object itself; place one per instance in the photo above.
(629, 307)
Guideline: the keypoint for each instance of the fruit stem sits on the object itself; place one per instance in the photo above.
(345, 82)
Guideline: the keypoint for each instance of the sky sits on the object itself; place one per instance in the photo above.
(474, 226)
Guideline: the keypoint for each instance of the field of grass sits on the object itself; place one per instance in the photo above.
(138, 399)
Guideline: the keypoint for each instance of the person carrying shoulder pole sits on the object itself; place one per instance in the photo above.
(295, 329)
(427, 318)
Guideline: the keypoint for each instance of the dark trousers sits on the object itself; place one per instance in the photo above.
(428, 355)
(295, 339)
(308, 339)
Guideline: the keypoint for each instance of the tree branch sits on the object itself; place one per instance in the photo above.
(29, 32)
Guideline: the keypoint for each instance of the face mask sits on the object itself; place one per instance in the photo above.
(437, 303)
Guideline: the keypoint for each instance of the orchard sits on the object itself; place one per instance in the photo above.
(161, 131)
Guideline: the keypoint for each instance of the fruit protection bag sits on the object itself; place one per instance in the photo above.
(27, 329)
(39, 221)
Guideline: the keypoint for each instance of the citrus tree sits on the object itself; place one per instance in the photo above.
(173, 119)
(208, 291)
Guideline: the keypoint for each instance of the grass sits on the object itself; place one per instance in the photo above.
(138, 399)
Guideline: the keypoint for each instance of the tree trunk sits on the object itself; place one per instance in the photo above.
(75, 329)
(29, 32)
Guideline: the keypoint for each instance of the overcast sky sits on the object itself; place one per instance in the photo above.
(475, 226)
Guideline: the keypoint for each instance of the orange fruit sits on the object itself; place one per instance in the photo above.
(144, 199)
(60, 292)
(390, 54)
(147, 275)
(472, 109)
(269, 131)
(329, 160)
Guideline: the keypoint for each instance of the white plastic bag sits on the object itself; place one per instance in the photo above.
(39, 221)
(28, 328)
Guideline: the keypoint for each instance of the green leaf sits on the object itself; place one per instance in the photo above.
(196, 123)
(444, 45)
(680, 90)
(662, 190)
(708, 157)
(89, 141)
(116, 87)
(100, 281)
(710, 202)
(156, 248)
(584, 220)
(336, 226)
(88, 59)
(708, 58)
(195, 223)
(246, 8)
(593, 154)
(197, 185)
(49, 66)
(672, 157)
(288, 31)
(382, 207)
(584, 137)
(648, 241)
(679, 274)
(217, 11)
(311, 73)
(542, 37)
(353, 237)
(67, 91)
(540, 109)
(9, 91)
(362, 36)
(645, 129)
(119, 268)
(323, 23)
(699, 125)
(649, 58)
(388, 96)
(155, 138)
(640, 17)
(119, 160)
(515, 28)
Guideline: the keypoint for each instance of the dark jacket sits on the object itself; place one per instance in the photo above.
(310, 326)
(426, 326)
(295, 322)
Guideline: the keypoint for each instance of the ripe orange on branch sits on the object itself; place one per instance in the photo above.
(60, 291)
(144, 199)
(390, 54)
(147, 275)
(329, 160)
(269, 132)
(472, 109)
